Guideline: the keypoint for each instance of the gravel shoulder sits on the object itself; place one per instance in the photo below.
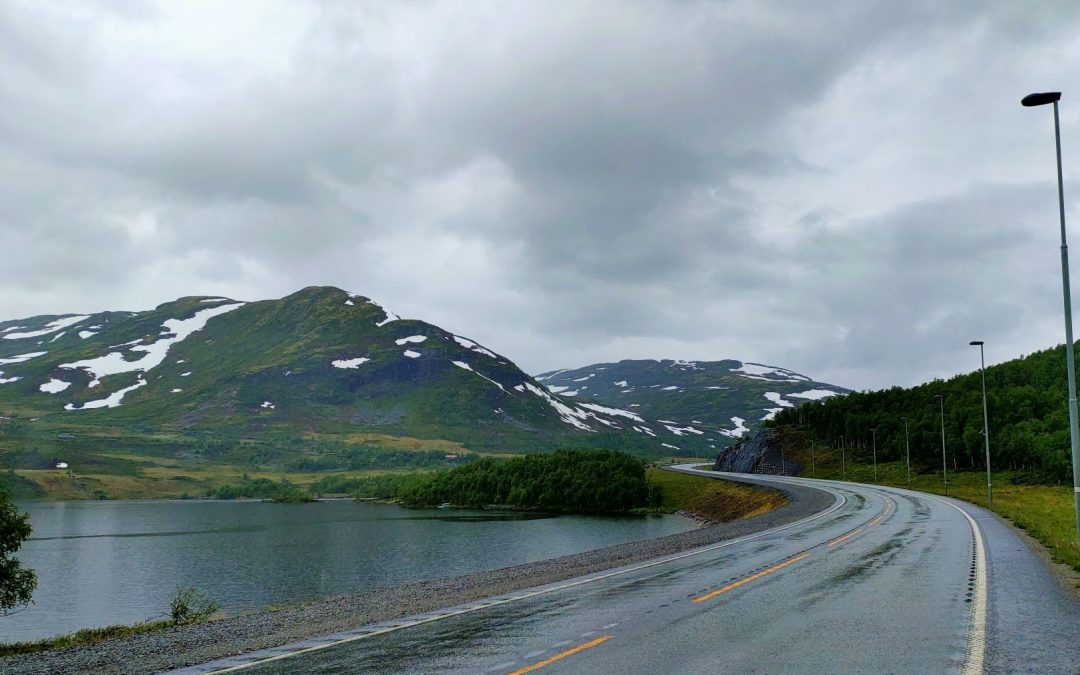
(191, 645)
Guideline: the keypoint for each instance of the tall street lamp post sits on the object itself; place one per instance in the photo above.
(907, 451)
(873, 432)
(986, 422)
(944, 466)
(843, 460)
(1029, 101)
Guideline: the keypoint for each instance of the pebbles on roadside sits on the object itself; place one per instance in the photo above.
(191, 645)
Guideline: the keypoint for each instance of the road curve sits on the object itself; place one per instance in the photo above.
(884, 580)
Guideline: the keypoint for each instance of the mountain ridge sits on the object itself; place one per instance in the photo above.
(717, 400)
(212, 378)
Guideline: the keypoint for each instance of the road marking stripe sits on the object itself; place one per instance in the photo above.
(753, 577)
(562, 655)
(873, 522)
(975, 650)
(844, 538)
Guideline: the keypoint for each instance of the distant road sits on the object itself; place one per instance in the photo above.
(885, 581)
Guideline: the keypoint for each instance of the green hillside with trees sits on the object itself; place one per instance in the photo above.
(1028, 413)
(572, 481)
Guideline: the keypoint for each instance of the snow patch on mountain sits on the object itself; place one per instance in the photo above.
(679, 431)
(19, 358)
(566, 413)
(87, 333)
(465, 366)
(778, 399)
(179, 329)
(113, 400)
(612, 411)
(54, 386)
(350, 363)
(759, 371)
(52, 327)
(411, 339)
(411, 354)
(738, 431)
(552, 374)
(390, 316)
(469, 344)
(814, 394)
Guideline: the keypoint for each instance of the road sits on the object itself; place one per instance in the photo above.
(885, 580)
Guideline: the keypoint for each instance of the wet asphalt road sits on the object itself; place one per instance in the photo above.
(883, 581)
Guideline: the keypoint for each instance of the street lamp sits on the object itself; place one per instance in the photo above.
(1030, 101)
(843, 460)
(873, 432)
(944, 466)
(907, 451)
(986, 422)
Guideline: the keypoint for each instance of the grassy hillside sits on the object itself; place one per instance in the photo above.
(717, 500)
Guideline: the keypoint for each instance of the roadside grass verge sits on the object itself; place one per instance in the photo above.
(84, 637)
(716, 500)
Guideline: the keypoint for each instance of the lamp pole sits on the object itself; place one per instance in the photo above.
(1029, 101)
(986, 422)
(873, 432)
(907, 451)
(944, 466)
(813, 461)
(843, 460)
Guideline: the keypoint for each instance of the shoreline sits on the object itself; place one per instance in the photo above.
(183, 646)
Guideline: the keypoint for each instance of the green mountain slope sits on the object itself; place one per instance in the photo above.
(293, 382)
(714, 401)
(1028, 414)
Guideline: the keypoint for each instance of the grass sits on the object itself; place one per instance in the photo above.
(1043, 511)
(160, 478)
(717, 500)
(84, 637)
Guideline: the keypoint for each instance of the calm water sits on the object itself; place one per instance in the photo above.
(120, 562)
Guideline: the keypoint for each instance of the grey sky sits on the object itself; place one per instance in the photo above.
(850, 193)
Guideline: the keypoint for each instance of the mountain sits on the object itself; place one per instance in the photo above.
(715, 401)
(320, 379)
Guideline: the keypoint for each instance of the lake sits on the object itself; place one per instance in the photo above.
(108, 562)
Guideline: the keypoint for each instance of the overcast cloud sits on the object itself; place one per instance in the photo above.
(851, 193)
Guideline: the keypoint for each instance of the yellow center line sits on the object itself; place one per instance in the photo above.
(562, 655)
(752, 577)
(844, 538)
(873, 522)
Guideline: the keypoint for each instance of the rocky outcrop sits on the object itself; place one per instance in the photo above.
(763, 453)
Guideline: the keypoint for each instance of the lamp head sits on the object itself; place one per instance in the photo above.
(975, 343)
(1032, 100)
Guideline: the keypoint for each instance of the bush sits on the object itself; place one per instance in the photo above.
(190, 605)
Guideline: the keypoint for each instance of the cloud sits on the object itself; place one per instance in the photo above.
(851, 192)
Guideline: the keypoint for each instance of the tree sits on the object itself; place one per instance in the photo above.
(16, 582)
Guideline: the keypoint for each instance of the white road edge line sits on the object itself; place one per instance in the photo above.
(837, 504)
(975, 644)
(975, 651)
